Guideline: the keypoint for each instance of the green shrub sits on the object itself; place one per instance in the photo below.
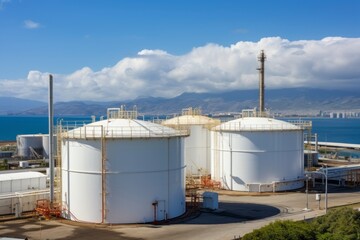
(342, 223)
(338, 224)
(283, 230)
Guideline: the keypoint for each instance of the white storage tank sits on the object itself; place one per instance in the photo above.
(198, 144)
(122, 170)
(45, 145)
(26, 143)
(258, 155)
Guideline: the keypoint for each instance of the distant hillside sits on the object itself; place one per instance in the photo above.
(295, 100)
(11, 105)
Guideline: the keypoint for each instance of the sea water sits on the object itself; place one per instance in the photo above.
(11, 126)
(337, 130)
(328, 129)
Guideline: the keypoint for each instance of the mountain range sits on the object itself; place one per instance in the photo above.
(288, 101)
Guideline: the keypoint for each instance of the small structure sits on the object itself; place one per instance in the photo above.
(211, 200)
(23, 164)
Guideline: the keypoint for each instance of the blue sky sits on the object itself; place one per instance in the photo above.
(83, 39)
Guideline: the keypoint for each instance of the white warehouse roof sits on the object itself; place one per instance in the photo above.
(256, 124)
(20, 175)
(123, 128)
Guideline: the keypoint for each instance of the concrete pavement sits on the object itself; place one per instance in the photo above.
(239, 214)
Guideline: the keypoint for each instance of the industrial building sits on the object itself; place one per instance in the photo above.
(19, 191)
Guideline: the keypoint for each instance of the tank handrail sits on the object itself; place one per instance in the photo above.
(301, 123)
(113, 113)
(237, 126)
(97, 131)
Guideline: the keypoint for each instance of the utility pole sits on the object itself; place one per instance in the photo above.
(51, 137)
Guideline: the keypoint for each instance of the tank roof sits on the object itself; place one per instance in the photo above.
(256, 124)
(191, 120)
(123, 128)
(31, 135)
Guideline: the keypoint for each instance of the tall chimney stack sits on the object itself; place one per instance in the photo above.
(261, 70)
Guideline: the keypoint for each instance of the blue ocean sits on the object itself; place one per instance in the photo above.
(328, 129)
(11, 126)
(337, 130)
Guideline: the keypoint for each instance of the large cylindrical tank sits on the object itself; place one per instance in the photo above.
(45, 144)
(25, 142)
(198, 144)
(122, 171)
(46, 147)
(258, 154)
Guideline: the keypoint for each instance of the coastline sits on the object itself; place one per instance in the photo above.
(7, 142)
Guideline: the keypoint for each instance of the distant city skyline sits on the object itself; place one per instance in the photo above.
(118, 50)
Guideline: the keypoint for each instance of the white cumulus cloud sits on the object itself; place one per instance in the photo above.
(29, 24)
(327, 63)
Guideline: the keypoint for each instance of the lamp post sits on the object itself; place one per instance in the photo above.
(326, 185)
(326, 189)
(307, 193)
(324, 171)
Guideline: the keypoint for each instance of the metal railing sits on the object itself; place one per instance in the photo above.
(304, 124)
(113, 113)
(99, 131)
(238, 126)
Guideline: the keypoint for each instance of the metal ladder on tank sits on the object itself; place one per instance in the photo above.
(57, 178)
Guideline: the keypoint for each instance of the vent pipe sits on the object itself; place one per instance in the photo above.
(261, 70)
(51, 137)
